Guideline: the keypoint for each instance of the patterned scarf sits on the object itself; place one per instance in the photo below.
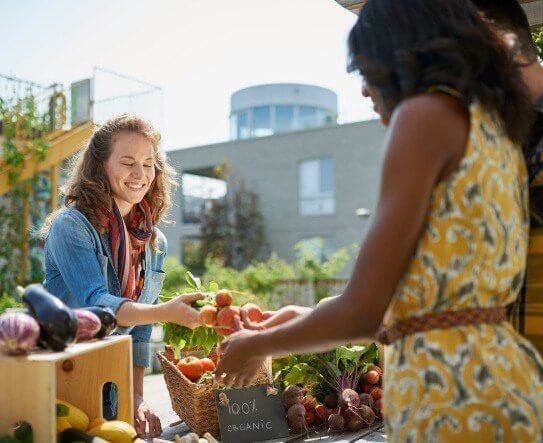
(127, 243)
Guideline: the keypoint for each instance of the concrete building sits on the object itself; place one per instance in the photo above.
(311, 183)
(264, 110)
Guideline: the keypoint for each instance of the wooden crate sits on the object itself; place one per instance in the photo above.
(30, 385)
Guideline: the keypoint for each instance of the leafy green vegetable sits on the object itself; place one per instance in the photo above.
(194, 282)
(199, 304)
(300, 374)
(327, 371)
(180, 337)
(213, 286)
(203, 337)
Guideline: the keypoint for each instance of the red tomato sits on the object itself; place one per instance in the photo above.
(207, 364)
(191, 367)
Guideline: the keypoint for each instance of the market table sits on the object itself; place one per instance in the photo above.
(374, 434)
(156, 395)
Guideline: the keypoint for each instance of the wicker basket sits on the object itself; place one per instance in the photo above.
(195, 404)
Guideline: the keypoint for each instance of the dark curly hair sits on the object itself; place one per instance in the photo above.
(402, 48)
(508, 15)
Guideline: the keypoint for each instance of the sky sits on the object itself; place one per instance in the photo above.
(198, 51)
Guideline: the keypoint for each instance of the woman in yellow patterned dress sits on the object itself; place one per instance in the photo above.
(447, 248)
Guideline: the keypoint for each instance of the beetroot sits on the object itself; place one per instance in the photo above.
(353, 420)
(366, 399)
(366, 414)
(330, 401)
(320, 412)
(348, 399)
(296, 417)
(336, 422)
(376, 368)
(372, 377)
(376, 393)
(291, 396)
(295, 411)
(379, 407)
(364, 387)
(309, 402)
(310, 418)
(358, 418)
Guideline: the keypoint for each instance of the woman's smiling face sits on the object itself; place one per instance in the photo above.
(130, 169)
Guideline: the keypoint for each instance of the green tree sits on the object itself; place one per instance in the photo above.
(232, 228)
(23, 127)
(537, 37)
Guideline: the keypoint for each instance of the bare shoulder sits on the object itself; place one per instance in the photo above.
(433, 124)
(433, 106)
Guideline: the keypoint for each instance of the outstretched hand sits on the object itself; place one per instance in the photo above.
(275, 318)
(180, 311)
(238, 364)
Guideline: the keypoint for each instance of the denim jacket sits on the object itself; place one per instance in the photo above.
(79, 270)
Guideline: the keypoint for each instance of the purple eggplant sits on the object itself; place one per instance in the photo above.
(107, 318)
(19, 333)
(58, 323)
(88, 324)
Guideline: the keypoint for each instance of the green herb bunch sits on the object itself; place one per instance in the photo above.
(203, 337)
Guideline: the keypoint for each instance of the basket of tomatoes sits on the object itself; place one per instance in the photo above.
(190, 377)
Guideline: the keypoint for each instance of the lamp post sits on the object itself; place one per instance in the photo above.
(362, 212)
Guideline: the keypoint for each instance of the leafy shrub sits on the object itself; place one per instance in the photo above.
(7, 301)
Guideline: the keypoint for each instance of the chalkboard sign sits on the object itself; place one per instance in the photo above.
(251, 414)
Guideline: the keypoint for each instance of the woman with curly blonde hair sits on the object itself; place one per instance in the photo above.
(104, 247)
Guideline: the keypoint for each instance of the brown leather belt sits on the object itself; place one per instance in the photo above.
(439, 320)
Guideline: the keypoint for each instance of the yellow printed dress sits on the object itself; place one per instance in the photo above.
(475, 383)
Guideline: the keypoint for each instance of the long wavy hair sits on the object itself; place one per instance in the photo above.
(402, 48)
(87, 187)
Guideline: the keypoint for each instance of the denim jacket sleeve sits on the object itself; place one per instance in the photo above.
(71, 246)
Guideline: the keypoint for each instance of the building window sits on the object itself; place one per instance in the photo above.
(307, 117)
(284, 118)
(234, 127)
(197, 193)
(244, 127)
(316, 187)
(261, 122)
